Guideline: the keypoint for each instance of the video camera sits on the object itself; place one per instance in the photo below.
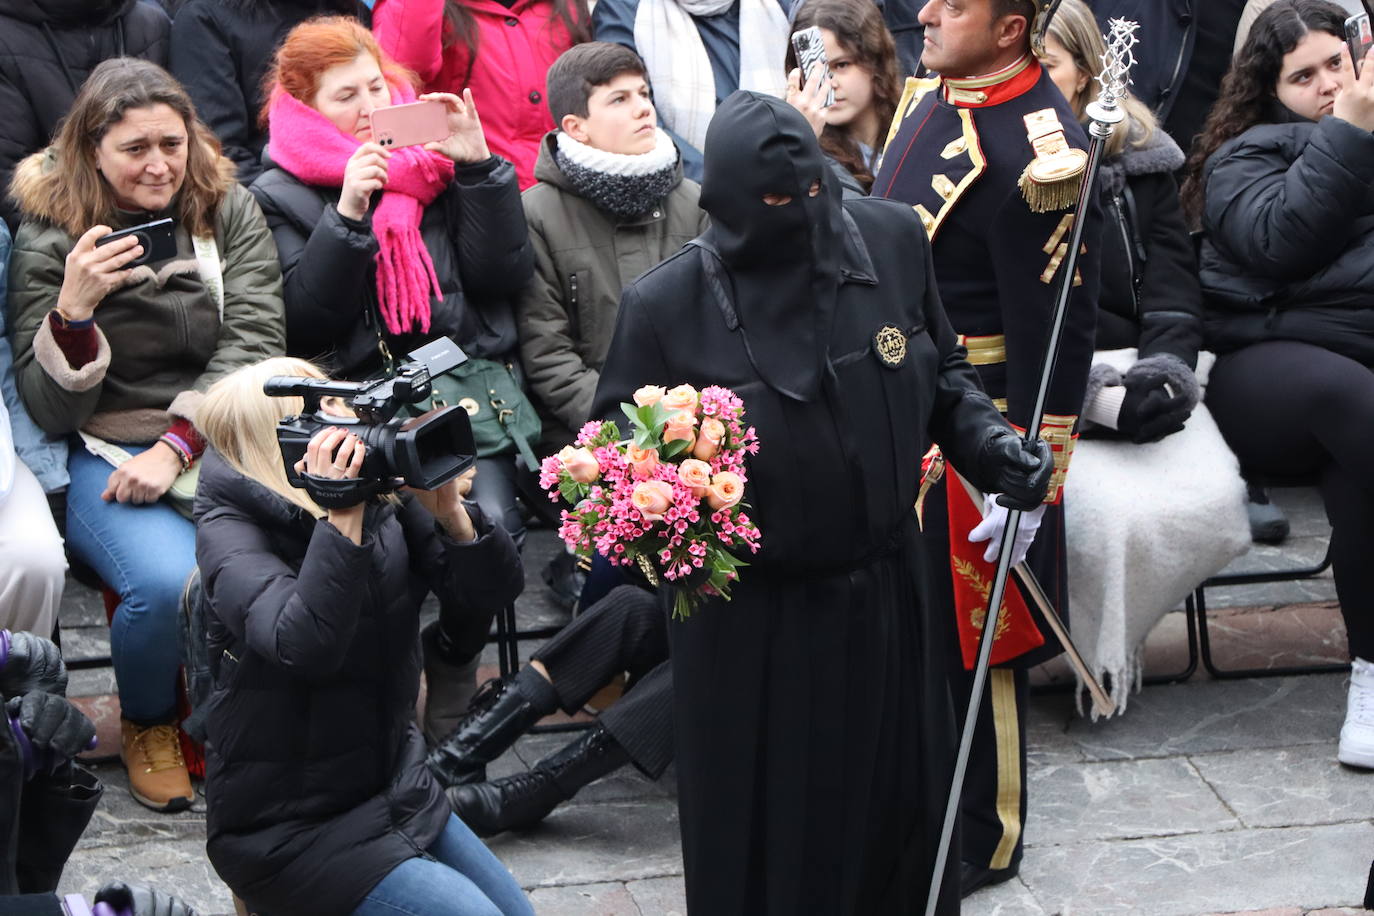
(422, 452)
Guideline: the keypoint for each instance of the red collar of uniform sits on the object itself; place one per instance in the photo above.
(995, 88)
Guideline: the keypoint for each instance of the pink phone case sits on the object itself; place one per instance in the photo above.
(409, 125)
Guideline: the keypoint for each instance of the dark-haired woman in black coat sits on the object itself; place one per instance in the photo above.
(1281, 179)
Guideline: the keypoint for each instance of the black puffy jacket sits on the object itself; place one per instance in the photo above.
(47, 49)
(221, 49)
(475, 233)
(315, 781)
(1289, 223)
(1149, 296)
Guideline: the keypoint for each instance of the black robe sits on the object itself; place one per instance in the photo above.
(815, 733)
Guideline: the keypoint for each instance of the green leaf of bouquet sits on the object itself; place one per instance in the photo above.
(675, 448)
(631, 411)
(570, 490)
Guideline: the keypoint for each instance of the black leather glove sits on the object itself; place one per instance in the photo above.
(34, 663)
(52, 724)
(1161, 392)
(1020, 473)
(141, 901)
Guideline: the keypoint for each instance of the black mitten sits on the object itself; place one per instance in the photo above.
(33, 663)
(1161, 392)
(52, 723)
(141, 901)
(1021, 473)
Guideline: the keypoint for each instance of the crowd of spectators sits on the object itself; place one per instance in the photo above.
(1234, 335)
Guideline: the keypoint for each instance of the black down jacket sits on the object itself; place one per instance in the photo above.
(221, 49)
(1289, 223)
(475, 233)
(1149, 296)
(316, 783)
(47, 49)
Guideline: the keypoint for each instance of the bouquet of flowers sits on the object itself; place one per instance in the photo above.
(666, 500)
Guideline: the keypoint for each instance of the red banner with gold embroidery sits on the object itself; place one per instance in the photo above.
(973, 577)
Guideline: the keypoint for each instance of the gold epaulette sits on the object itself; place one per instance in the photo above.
(1051, 180)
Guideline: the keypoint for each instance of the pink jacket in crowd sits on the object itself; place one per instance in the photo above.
(514, 50)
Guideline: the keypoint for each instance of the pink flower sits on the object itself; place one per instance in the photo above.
(652, 498)
(696, 475)
(649, 394)
(683, 397)
(580, 464)
(708, 439)
(642, 461)
(681, 425)
(726, 490)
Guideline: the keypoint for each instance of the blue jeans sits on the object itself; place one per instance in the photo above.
(145, 554)
(463, 879)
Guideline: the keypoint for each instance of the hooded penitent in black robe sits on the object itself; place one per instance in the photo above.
(815, 735)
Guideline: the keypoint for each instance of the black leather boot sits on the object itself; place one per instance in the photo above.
(499, 713)
(527, 798)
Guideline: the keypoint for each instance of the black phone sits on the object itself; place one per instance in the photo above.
(810, 48)
(158, 239)
(1360, 38)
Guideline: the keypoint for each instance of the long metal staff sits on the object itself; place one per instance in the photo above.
(1104, 113)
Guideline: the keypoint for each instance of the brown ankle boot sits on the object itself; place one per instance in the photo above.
(157, 772)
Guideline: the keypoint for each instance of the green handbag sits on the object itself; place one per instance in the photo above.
(503, 419)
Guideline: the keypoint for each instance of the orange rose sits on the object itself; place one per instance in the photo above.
(652, 498)
(695, 474)
(725, 491)
(580, 464)
(708, 439)
(649, 394)
(642, 461)
(683, 397)
(680, 425)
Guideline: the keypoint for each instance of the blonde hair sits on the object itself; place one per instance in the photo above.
(1074, 27)
(241, 423)
(62, 185)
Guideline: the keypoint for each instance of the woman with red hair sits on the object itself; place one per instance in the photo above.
(384, 250)
(500, 49)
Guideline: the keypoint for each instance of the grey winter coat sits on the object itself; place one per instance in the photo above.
(1289, 222)
(163, 337)
(583, 258)
(47, 49)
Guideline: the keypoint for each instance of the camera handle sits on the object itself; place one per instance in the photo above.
(343, 493)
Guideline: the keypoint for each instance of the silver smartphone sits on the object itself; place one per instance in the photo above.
(810, 48)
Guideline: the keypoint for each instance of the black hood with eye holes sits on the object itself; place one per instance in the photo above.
(784, 259)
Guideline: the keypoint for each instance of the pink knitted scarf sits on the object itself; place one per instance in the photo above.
(309, 146)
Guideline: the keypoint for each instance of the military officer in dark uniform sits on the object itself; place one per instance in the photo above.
(990, 157)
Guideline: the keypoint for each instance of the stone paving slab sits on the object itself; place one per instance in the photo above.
(1011, 898)
(585, 900)
(176, 865)
(1311, 867)
(1074, 803)
(1208, 716)
(1289, 786)
(592, 843)
(660, 896)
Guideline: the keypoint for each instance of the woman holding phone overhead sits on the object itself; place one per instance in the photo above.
(385, 249)
(118, 343)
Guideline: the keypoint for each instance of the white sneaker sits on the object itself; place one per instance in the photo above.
(1357, 735)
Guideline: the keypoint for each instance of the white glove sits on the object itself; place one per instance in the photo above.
(995, 520)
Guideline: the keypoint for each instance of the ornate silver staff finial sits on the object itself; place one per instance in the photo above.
(1105, 111)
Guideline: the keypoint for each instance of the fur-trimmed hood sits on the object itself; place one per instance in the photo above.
(1159, 155)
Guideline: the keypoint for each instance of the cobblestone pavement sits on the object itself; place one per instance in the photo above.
(1205, 797)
